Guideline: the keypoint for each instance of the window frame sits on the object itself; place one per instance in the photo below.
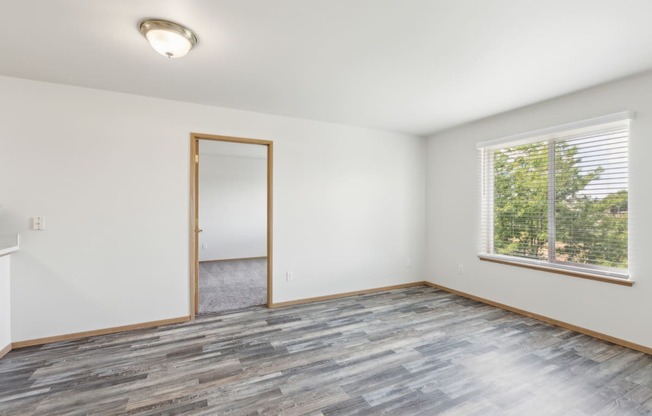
(550, 136)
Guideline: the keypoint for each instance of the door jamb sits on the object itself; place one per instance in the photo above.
(194, 212)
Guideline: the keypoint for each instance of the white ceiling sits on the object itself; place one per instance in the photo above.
(416, 66)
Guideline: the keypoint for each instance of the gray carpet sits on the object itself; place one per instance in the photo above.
(232, 284)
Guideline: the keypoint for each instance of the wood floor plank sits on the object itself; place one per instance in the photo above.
(411, 351)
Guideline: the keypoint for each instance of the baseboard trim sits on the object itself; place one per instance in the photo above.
(105, 331)
(343, 295)
(566, 325)
(562, 324)
(5, 350)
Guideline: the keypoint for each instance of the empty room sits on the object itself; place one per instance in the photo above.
(325, 207)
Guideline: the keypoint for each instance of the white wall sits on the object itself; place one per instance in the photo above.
(232, 206)
(110, 173)
(5, 302)
(454, 220)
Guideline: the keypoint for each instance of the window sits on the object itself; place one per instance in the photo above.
(558, 198)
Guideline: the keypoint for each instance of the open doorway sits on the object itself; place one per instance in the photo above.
(231, 223)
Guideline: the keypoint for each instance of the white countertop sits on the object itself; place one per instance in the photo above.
(8, 243)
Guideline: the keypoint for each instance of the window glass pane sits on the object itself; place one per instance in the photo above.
(520, 201)
(591, 200)
(559, 197)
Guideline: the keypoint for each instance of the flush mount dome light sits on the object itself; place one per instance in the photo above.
(168, 38)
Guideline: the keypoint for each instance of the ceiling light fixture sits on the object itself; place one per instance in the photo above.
(168, 38)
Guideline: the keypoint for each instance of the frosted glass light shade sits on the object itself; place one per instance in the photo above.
(168, 38)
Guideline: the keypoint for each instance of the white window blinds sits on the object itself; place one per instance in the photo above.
(559, 196)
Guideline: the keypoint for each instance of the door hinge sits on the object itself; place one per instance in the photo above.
(196, 158)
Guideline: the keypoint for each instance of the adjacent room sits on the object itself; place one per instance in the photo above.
(232, 220)
(325, 207)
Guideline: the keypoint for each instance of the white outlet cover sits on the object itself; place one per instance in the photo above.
(38, 223)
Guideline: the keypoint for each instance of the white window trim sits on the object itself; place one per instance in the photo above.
(540, 135)
(579, 268)
(547, 134)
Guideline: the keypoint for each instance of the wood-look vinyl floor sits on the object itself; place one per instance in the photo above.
(415, 351)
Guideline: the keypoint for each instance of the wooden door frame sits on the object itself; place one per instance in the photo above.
(194, 212)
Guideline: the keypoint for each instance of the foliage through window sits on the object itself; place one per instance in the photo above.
(560, 197)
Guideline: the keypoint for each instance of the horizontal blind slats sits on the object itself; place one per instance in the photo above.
(589, 216)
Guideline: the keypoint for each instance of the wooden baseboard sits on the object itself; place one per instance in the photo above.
(105, 331)
(238, 258)
(5, 350)
(85, 334)
(566, 325)
(344, 295)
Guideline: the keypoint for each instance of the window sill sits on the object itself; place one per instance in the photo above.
(552, 269)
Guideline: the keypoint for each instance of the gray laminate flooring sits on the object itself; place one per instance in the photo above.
(232, 284)
(415, 351)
